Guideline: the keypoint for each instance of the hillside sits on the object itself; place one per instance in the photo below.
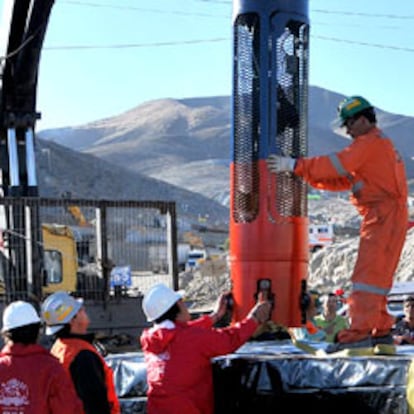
(187, 142)
(329, 269)
(85, 176)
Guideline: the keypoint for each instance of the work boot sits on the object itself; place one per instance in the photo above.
(340, 346)
(386, 340)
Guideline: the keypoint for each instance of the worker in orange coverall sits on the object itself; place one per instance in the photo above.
(373, 170)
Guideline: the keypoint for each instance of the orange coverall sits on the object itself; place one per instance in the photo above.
(371, 167)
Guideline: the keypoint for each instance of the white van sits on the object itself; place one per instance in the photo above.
(320, 235)
(195, 258)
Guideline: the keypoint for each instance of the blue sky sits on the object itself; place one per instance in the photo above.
(182, 48)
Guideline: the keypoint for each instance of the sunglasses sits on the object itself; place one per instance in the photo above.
(351, 121)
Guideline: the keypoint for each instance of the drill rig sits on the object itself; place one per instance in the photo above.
(268, 223)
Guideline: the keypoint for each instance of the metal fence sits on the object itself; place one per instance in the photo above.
(116, 248)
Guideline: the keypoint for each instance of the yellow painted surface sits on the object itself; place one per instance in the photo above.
(60, 238)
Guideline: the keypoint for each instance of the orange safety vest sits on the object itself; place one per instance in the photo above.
(66, 349)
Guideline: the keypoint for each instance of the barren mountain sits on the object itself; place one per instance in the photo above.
(85, 176)
(187, 142)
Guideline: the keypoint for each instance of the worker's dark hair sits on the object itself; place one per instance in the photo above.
(26, 335)
(64, 332)
(408, 298)
(170, 315)
(311, 297)
(369, 113)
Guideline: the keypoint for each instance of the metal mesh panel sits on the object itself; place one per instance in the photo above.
(290, 54)
(246, 125)
(138, 237)
(109, 244)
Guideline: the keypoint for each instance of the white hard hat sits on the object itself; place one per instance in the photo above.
(158, 300)
(59, 309)
(19, 314)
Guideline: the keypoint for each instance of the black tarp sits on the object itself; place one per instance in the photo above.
(268, 378)
(276, 377)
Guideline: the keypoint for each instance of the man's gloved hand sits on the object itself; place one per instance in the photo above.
(221, 307)
(261, 312)
(278, 163)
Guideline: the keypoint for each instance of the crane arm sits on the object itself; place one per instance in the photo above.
(22, 33)
(77, 214)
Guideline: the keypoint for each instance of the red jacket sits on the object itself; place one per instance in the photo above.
(66, 349)
(33, 382)
(179, 372)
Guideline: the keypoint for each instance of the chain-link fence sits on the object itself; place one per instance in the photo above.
(97, 249)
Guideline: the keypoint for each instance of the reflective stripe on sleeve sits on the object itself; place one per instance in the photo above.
(339, 167)
(363, 287)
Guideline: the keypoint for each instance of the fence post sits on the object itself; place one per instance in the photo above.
(172, 243)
